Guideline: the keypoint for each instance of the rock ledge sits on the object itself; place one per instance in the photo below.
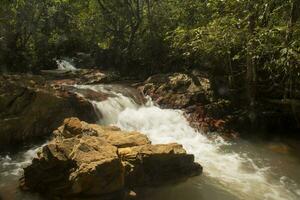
(89, 160)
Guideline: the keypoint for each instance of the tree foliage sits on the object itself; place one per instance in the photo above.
(253, 44)
(263, 32)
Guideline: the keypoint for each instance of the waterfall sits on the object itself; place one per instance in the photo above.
(235, 172)
(65, 65)
(228, 166)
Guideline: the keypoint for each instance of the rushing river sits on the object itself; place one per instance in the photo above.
(238, 169)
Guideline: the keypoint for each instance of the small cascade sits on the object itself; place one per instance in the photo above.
(238, 169)
(234, 172)
(109, 109)
(65, 65)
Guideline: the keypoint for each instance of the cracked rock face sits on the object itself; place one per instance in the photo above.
(90, 160)
(31, 109)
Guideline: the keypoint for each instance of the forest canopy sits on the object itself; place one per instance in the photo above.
(252, 44)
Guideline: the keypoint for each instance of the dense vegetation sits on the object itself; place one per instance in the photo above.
(248, 46)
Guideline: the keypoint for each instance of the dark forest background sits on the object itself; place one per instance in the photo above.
(251, 47)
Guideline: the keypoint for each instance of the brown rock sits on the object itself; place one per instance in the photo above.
(106, 163)
(87, 166)
(31, 109)
(111, 134)
(156, 164)
(177, 90)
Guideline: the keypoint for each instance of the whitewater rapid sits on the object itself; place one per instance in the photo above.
(65, 65)
(226, 166)
(234, 172)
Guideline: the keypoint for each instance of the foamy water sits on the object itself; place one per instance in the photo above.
(228, 167)
(11, 169)
(234, 172)
(65, 65)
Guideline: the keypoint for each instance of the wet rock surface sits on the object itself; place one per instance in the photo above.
(80, 76)
(89, 160)
(195, 96)
(212, 107)
(177, 90)
(31, 108)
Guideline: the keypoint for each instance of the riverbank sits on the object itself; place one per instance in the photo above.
(195, 94)
(229, 162)
(199, 96)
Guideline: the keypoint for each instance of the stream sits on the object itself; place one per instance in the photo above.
(237, 169)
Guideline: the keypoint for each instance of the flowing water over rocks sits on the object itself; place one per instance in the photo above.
(231, 170)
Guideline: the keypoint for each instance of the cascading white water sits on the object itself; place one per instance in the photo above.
(226, 167)
(14, 167)
(11, 169)
(114, 105)
(234, 172)
(65, 65)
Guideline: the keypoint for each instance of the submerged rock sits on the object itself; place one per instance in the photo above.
(89, 160)
(30, 108)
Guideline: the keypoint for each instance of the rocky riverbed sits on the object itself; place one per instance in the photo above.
(83, 159)
(194, 95)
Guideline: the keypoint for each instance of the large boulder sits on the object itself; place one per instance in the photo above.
(30, 108)
(153, 164)
(90, 160)
(177, 90)
(81, 165)
(193, 93)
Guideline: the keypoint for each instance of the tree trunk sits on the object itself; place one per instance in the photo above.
(250, 67)
(294, 16)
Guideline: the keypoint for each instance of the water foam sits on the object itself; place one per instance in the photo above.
(109, 109)
(11, 169)
(65, 65)
(234, 172)
(13, 165)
